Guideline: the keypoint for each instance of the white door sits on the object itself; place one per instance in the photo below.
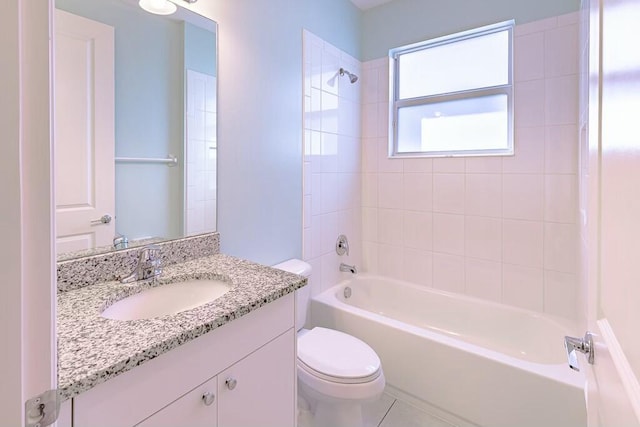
(84, 133)
(613, 214)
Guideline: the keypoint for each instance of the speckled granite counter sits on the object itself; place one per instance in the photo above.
(92, 349)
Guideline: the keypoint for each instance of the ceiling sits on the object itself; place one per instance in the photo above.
(368, 4)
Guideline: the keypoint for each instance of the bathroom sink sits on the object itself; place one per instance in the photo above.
(166, 299)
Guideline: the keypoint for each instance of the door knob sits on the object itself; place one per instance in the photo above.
(104, 219)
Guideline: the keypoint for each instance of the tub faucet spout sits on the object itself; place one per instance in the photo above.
(348, 268)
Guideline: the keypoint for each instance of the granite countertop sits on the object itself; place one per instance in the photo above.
(93, 349)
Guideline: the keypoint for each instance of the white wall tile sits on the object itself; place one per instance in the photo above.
(484, 215)
(483, 279)
(370, 224)
(390, 190)
(370, 85)
(385, 164)
(370, 257)
(418, 165)
(448, 165)
(448, 233)
(418, 267)
(418, 192)
(483, 238)
(329, 152)
(329, 192)
(561, 100)
(369, 155)
(448, 193)
(383, 119)
(529, 57)
(448, 272)
(383, 80)
(369, 120)
(486, 164)
(483, 195)
(390, 222)
(418, 230)
(561, 149)
(330, 67)
(561, 247)
(370, 190)
(313, 117)
(522, 196)
(329, 112)
(528, 151)
(348, 154)
(561, 44)
(306, 212)
(349, 191)
(529, 103)
(390, 260)
(522, 243)
(561, 198)
(330, 231)
(522, 287)
(330, 270)
(306, 244)
(560, 294)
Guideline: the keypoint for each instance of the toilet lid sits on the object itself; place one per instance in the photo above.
(338, 355)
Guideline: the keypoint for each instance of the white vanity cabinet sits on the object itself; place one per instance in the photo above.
(256, 353)
(253, 392)
(198, 408)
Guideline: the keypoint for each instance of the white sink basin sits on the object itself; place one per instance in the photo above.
(166, 299)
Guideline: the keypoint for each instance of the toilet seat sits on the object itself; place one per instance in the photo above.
(337, 357)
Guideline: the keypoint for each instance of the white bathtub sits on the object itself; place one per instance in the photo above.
(485, 363)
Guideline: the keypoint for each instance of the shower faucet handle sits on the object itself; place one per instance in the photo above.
(342, 245)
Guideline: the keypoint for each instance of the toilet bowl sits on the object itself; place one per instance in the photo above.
(337, 372)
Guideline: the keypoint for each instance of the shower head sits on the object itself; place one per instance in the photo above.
(352, 77)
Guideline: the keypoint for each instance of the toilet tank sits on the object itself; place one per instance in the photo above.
(303, 295)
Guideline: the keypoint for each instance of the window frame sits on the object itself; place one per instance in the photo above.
(395, 104)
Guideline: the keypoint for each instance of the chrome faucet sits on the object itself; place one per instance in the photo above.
(148, 265)
(348, 268)
(583, 345)
(120, 242)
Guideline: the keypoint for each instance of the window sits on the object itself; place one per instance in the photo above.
(453, 96)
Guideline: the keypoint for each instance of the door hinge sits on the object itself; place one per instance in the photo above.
(42, 410)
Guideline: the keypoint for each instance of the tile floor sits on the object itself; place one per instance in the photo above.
(390, 412)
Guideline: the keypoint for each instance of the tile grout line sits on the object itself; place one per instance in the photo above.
(387, 413)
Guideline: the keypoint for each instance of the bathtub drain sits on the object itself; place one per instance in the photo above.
(347, 292)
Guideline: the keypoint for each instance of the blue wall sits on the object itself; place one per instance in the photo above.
(401, 22)
(260, 116)
(196, 41)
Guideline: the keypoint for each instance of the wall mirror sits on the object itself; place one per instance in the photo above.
(135, 125)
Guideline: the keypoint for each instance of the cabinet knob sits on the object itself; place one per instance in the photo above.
(231, 383)
(208, 398)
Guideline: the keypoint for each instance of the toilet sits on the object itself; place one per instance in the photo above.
(337, 373)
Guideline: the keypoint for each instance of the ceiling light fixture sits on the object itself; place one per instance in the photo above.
(158, 7)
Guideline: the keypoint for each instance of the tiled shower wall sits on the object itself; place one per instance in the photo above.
(332, 148)
(498, 228)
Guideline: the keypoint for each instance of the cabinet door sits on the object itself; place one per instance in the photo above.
(198, 408)
(259, 390)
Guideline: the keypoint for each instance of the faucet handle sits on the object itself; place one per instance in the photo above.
(342, 245)
(583, 345)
